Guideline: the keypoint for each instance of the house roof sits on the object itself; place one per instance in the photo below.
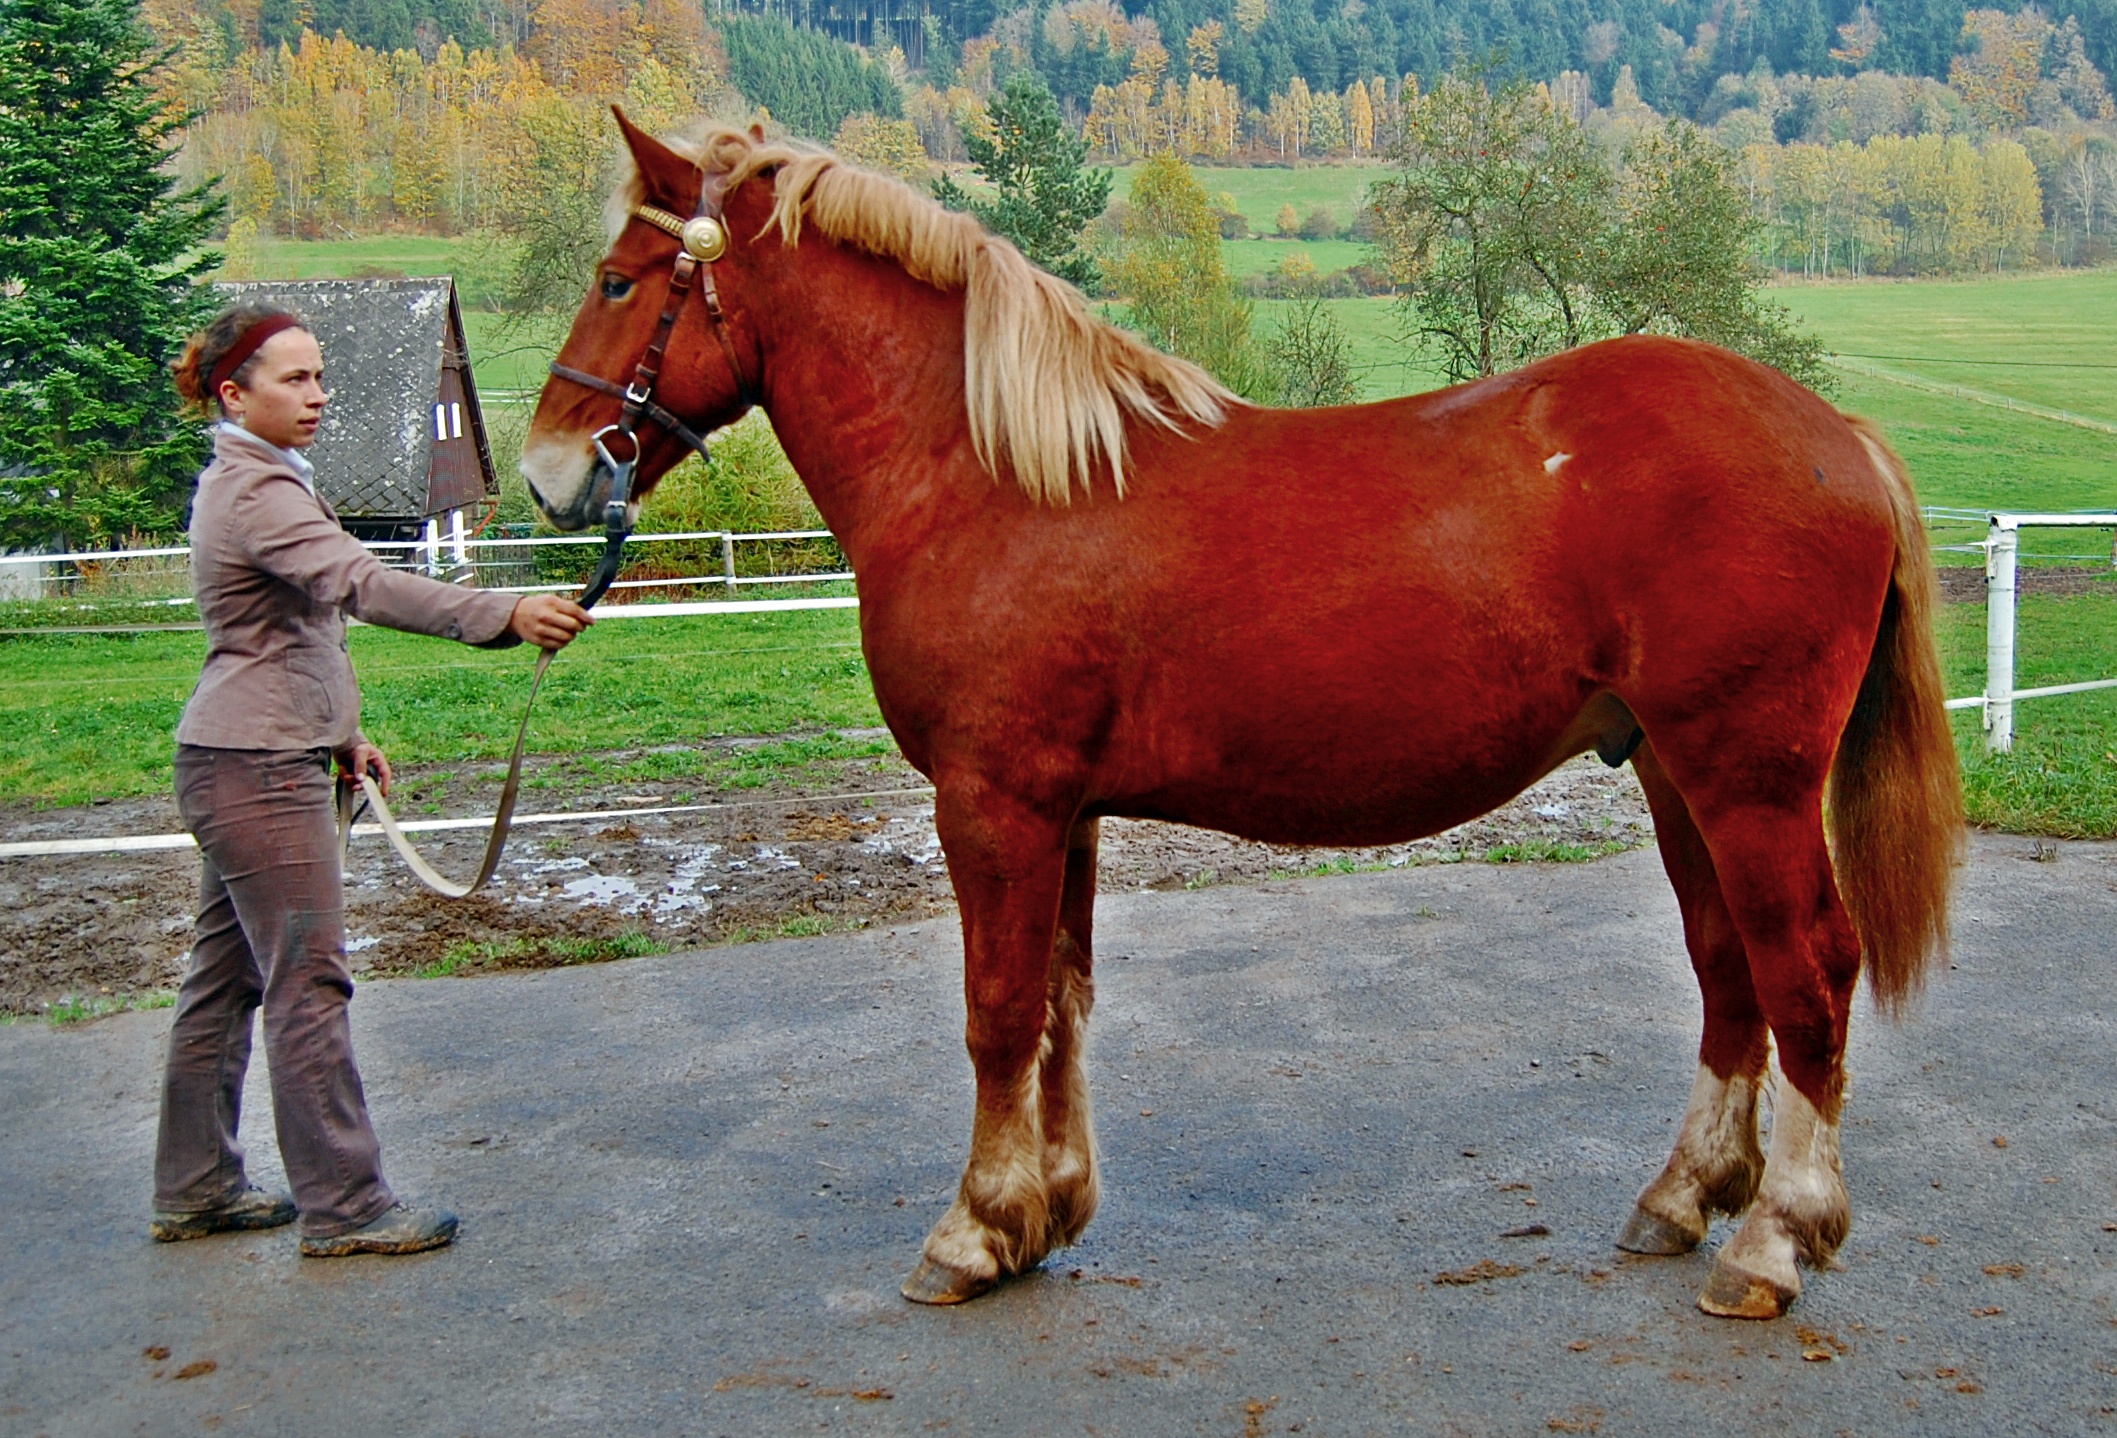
(384, 343)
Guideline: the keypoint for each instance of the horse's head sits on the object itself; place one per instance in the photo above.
(1047, 387)
(584, 424)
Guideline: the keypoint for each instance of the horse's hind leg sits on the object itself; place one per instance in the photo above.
(1804, 959)
(1071, 1186)
(1716, 1163)
(1008, 864)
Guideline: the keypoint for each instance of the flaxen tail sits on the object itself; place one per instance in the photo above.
(1896, 793)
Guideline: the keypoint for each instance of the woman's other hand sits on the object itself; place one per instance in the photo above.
(365, 758)
(548, 621)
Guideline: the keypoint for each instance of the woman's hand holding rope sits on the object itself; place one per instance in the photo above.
(549, 621)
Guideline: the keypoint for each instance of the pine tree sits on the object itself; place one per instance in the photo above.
(99, 252)
(1045, 198)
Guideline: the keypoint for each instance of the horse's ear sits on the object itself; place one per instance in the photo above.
(665, 174)
(757, 131)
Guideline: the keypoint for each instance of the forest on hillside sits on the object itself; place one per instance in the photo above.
(1905, 136)
(1677, 50)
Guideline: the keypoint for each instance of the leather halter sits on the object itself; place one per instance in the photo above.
(704, 239)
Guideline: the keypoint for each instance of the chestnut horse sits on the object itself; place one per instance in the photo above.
(1093, 582)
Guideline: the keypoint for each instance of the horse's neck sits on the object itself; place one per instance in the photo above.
(863, 383)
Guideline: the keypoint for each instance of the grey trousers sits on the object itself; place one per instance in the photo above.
(271, 934)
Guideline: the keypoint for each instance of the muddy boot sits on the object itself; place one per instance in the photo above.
(400, 1229)
(252, 1208)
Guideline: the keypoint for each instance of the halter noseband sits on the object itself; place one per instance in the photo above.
(704, 238)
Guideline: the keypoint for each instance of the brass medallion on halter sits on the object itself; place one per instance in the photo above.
(704, 238)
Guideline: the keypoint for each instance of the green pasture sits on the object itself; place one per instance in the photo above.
(470, 258)
(1263, 257)
(509, 360)
(85, 717)
(2061, 777)
(92, 716)
(2048, 338)
(1259, 190)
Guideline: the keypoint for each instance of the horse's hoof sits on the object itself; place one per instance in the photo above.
(1650, 1233)
(1730, 1293)
(932, 1283)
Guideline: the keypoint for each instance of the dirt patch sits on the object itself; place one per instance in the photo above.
(836, 844)
(1965, 584)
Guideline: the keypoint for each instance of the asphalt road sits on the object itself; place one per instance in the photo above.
(691, 1184)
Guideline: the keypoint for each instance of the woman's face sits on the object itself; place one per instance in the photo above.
(285, 397)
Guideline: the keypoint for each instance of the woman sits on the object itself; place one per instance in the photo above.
(277, 703)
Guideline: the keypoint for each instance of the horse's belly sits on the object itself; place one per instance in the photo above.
(1389, 780)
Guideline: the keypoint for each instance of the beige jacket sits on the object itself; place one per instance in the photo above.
(275, 576)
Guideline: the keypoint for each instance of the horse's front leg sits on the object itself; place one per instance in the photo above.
(1070, 1181)
(1008, 863)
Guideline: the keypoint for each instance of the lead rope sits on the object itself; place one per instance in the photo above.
(446, 887)
(614, 534)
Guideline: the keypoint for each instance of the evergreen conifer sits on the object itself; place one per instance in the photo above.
(99, 255)
(1034, 160)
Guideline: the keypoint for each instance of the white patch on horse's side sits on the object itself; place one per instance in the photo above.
(1551, 465)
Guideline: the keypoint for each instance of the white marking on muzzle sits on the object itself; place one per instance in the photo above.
(557, 470)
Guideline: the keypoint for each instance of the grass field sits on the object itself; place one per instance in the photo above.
(384, 256)
(84, 717)
(2047, 338)
(1262, 257)
(91, 716)
(1259, 191)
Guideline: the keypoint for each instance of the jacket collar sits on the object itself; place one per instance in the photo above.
(228, 432)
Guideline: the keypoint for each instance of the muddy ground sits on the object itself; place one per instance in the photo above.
(832, 845)
(1965, 584)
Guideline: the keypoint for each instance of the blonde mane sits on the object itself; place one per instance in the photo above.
(1049, 386)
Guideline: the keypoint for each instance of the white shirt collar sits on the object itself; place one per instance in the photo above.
(291, 458)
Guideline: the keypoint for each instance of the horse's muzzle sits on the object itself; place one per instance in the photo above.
(586, 508)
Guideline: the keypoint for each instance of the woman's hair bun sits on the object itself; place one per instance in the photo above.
(205, 350)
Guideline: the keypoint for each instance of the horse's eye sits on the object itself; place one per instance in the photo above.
(616, 287)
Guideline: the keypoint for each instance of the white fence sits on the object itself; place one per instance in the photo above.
(135, 577)
(2002, 551)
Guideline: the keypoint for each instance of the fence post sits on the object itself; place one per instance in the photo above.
(727, 563)
(458, 541)
(2000, 555)
(432, 546)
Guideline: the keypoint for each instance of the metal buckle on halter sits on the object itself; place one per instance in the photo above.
(602, 451)
(614, 512)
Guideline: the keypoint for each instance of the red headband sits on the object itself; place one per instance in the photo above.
(252, 339)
